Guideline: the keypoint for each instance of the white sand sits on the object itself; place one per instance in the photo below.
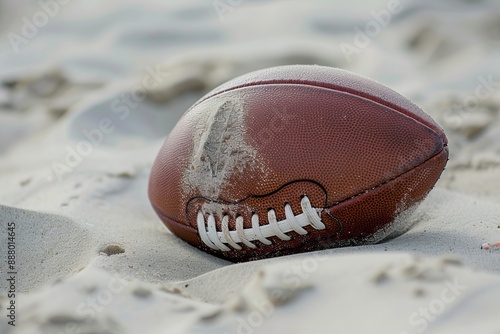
(92, 256)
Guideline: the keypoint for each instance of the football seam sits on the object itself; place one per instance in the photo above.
(352, 241)
(162, 213)
(389, 180)
(243, 199)
(335, 88)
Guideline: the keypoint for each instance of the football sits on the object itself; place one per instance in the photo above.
(293, 159)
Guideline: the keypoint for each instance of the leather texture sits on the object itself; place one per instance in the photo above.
(354, 147)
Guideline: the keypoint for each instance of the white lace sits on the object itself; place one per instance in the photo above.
(219, 240)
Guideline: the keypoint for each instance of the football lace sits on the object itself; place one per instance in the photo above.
(219, 240)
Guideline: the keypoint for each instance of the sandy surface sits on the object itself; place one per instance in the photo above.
(92, 256)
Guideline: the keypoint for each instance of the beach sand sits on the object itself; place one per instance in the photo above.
(87, 100)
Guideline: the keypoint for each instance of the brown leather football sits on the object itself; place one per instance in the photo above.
(293, 159)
